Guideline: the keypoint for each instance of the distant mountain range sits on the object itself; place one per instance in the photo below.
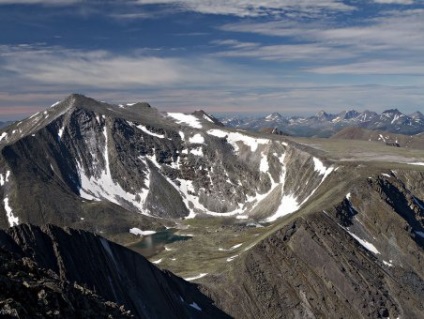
(4, 124)
(324, 124)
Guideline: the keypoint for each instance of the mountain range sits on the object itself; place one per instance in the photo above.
(266, 225)
(325, 125)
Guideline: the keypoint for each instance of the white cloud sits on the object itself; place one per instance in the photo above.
(373, 67)
(395, 39)
(100, 69)
(252, 8)
(282, 52)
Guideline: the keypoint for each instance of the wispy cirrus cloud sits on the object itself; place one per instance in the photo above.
(394, 40)
(102, 69)
(252, 8)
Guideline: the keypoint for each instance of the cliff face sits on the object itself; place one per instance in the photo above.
(108, 270)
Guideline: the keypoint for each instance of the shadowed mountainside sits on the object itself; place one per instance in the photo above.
(117, 274)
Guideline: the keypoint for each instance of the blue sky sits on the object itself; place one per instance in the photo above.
(241, 56)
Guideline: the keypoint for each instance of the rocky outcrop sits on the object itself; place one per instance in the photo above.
(53, 264)
(28, 291)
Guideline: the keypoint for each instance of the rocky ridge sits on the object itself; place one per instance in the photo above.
(56, 273)
(361, 257)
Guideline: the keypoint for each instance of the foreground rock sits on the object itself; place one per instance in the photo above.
(44, 270)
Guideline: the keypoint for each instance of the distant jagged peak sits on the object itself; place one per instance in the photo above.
(368, 112)
(273, 116)
(392, 112)
(417, 115)
(367, 115)
(324, 116)
(350, 114)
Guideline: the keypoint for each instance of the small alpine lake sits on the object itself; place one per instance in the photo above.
(151, 245)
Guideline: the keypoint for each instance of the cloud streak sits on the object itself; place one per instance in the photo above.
(253, 8)
(102, 69)
(392, 43)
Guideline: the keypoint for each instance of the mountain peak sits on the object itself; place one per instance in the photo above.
(273, 116)
(324, 116)
(392, 112)
(417, 115)
(349, 114)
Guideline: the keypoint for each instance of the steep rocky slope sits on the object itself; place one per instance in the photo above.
(361, 257)
(28, 291)
(43, 264)
(109, 168)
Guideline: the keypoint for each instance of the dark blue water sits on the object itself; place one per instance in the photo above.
(151, 245)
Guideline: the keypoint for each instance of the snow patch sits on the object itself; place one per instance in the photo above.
(197, 139)
(195, 306)
(145, 130)
(418, 163)
(54, 104)
(197, 151)
(101, 184)
(187, 119)
(4, 180)
(388, 263)
(419, 233)
(12, 219)
(234, 138)
(319, 166)
(288, 205)
(236, 246)
(138, 232)
(367, 245)
(229, 259)
(264, 166)
(196, 277)
(3, 135)
(157, 261)
(207, 118)
(218, 133)
(60, 132)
